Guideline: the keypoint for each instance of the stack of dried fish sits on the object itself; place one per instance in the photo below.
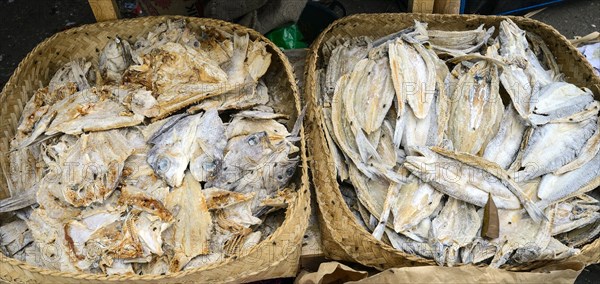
(434, 159)
(166, 155)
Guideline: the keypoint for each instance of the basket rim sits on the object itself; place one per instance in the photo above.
(310, 89)
(292, 210)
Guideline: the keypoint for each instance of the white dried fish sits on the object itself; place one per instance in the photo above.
(170, 153)
(455, 226)
(208, 148)
(554, 145)
(503, 148)
(192, 227)
(557, 100)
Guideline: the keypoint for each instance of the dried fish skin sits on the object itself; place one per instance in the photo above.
(518, 232)
(475, 108)
(497, 172)
(14, 237)
(175, 31)
(338, 156)
(358, 122)
(581, 236)
(217, 198)
(503, 148)
(150, 229)
(341, 129)
(552, 146)
(372, 104)
(342, 61)
(514, 48)
(192, 227)
(37, 108)
(393, 193)
(138, 174)
(587, 153)
(242, 98)
(515, 82)
(79, 233)
(557, 100)
(241, 126)
(420, 132)
(48, 235)
(371, 193)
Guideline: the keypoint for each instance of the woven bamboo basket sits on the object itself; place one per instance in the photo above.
(342, 237)
(276, 256)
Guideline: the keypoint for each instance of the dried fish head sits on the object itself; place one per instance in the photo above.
(169, 155)
(114, 59)
(573, 214)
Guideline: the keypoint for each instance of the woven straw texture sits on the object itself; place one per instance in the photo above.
(277, 256)
(343, 238)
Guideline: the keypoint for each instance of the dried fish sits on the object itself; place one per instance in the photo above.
(557, 100)
(191, 230)
(575, 213)
(456, 135)
(503, 148)
(554, 145)
(475, 108)
(455, 226)
(119, 194)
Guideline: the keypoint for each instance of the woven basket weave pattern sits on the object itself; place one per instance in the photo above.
(277, 256)
(343, 238)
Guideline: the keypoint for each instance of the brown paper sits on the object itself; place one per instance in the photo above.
(561, 273)
(335, 272)
(331, 272)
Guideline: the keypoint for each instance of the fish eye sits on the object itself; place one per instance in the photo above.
(289, 172)
(163, 164)
(209, 166)
(252, 141)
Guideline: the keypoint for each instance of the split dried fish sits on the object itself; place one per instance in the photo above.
(423, 168)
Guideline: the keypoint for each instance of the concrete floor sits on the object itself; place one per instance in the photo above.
(26, 23)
